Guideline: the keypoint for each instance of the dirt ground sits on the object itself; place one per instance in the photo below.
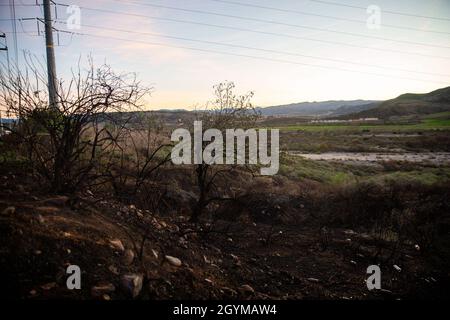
(42, 234)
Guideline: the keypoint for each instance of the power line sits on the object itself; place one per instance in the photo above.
(386, 11)
(316, 14)
(12, 9)
(286, 24)
(252, 57)
(258, 49)
(324, 16)
(258, 32)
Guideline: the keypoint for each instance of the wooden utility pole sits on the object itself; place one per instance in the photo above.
(51, 68)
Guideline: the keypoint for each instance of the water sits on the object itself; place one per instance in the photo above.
(430, 157)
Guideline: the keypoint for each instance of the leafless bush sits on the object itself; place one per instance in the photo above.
(65, 143)
(226, 111)
(135, 159)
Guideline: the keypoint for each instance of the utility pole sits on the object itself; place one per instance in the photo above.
(51, 68)
(5, 48)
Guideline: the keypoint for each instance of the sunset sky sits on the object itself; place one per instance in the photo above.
(412, 46)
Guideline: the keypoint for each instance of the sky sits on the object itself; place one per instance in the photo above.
(285, 51)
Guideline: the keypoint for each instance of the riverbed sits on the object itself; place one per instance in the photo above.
(422, 157)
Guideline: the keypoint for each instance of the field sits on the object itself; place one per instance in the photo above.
(430, 123)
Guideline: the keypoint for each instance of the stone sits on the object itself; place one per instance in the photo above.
(229, 291)
(59, 201)
(9, 210)
(40, 219)
(247, 289)
(128, 257)
(102, 289)
(48, 286)
(47, 209)
(117, 245)
(173, 261)
(132, 284)
(113, 269)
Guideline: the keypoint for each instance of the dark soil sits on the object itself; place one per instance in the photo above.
(220, 260)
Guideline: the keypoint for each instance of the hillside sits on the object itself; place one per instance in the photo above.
(316, 108)
(410, 104)
(128, 252)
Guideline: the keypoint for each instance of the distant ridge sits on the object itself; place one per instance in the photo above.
(410, 104)
(322, 108)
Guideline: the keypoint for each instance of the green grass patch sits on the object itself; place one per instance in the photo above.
(426, 124)
(426, 176)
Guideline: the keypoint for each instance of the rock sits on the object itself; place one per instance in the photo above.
(183, 243)
(113, 269)
(173, 261)
(9, 210)
(117, 245)
(128, 257)
(46, 209)
(48, 286)
(247, 289)
(40, 218)
(59, 201)
(102, 289)
(229, 291)
(132, 284)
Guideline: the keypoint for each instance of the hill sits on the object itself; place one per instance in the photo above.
(317, 108)
(409, 104)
